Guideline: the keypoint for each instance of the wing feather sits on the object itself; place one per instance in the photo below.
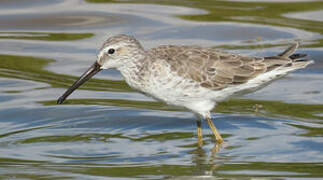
(216, 69)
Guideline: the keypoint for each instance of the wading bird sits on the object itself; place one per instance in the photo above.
(192, 77)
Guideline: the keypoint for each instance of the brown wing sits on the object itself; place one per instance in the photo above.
(216, 69)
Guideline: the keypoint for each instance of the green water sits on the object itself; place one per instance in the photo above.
(106, 130)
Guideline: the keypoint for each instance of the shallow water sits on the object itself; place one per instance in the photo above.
(107, 131)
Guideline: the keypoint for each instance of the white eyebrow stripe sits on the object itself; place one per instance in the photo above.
(106, 49)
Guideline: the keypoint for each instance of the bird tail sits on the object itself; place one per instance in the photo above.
(289, 60)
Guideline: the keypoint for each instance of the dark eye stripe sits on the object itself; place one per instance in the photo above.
(111, 51)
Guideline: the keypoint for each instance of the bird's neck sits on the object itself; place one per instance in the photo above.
(133, 70)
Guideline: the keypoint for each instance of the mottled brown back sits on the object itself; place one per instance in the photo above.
(216, 69)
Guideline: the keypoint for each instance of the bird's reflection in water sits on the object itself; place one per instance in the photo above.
(206, 160)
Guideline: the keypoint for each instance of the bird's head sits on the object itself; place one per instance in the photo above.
(116, 52)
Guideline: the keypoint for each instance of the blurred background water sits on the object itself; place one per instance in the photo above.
(108, 131)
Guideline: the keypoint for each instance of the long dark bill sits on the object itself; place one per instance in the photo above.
(95, 68)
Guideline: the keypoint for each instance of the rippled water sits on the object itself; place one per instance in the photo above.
(108, 131)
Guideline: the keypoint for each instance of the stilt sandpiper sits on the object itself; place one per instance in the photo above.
(192, 77)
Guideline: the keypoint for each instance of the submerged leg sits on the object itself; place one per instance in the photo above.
(199, 133)
(214, 130)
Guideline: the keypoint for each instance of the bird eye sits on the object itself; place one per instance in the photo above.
(111, 51)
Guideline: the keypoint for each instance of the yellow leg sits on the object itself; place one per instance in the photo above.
(214, 130)
(199, 133)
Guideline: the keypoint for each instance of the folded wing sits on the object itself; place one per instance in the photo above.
(216, 69)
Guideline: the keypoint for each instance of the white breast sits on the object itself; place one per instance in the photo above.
(165, 85)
